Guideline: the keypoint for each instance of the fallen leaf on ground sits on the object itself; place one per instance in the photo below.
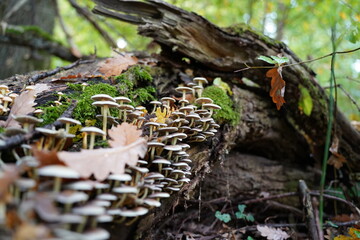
(336, 159)
(272, 233)
(7, 177)
(23, 105)
(27, 231)
(123, 135)
(277, 90)
(127, 147)
(116, 65)
(45, 157)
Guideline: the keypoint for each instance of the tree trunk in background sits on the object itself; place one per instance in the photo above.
(17, 60)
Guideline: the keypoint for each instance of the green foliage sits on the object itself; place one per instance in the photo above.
(133, 84)
(227, 112)
(249, 238)
(241, 215)
(84, 110)
(29, 30)
(274, 60)
(52, 112)
(305, 101)
(224, 217)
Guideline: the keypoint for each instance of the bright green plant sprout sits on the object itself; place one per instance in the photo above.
(241, 215)
(224, 217)
(274, 60)
(249, 238)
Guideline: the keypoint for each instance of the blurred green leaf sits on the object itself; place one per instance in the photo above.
(305, 101)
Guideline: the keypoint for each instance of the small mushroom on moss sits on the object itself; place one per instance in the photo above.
(105, 105)
(68, 121)
(156, 104)
(3, 89)
(92, 131)
(27, 121)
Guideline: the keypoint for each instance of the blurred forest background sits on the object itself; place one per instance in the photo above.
(305, 26)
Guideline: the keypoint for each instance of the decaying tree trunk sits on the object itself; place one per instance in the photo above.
(267, 152)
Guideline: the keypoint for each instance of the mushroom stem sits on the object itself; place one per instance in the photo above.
(92, 141)
(132, 221)
(81, 226)
(57, 185)
(105, 120)
(85, 142)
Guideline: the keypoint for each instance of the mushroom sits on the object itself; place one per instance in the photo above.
(124, 108)
(124, 191)
(92, 131)
(183, 90)
(212, 107)
(58, 172)
(200, 81)
(68, 198)
(152, 147)
(27, 121)
(60, 94)
(156, 104)
(68, 121)
(3, 89)
(116, 179)
(48, 139)
(105, 105)
(121, 101)
(7, 101)
(160, 162)
(88, 211)
(152, 126)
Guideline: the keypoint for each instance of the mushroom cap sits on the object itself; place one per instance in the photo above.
(69, 120)
(99, 185)
(184, 101)
(105, 103)
(156, 124)
(186, 160)
(183, 89)
(159, 195)
(89, 210)
(161, 161)
(122, 99)
(96, 234)
(155, 144)
(107, 197)
(138, 211)
(12, 131)
(211, 106)
(151, 202)
(27, 119)
(102, 97)
(70, 218)
(25, 183)
(184, 145)
(198, 87)
(169, 99)
(7, 99)
(104, 218)
(155, 103)
(141, 170)
(185, 180)
(95, 130)
(178, 114)
(4, 87)
(71, 197)
(86, 185)
(173, 147)
(203, 100)
(168, 129)
(126, 107)
(180, 165)
(174, 189)
(154, 175)
(125, 189)
(101, 203)
(58, 171)
(186, 109)
(120, 177)
(46, 131)
(200, 79)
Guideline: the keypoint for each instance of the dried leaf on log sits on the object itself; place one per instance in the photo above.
(272, 233)
(277, 86)
(116, 65)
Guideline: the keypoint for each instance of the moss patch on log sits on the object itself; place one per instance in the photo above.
(227, 113)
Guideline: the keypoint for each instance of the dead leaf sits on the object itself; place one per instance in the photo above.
(7, 177)
(277, 86)
(123, 135)
(127, 147)
(272, 233)
(46, 158)
(336, 159)
(28, 231)
(116, 65)
(23, 105)
(45, 207)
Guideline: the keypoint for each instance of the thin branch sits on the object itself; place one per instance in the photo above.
(353, 101)
(89, 17)
(42, 75)
(74, 49)
(307, 61)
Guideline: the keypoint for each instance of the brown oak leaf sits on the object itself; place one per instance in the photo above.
(123, 135)
(116, 65)
(272, 233)
(126, 150)
(277, 86)
(46, 158)
(336, 159)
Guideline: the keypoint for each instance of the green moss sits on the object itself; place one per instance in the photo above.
(227, 112)
(84, 110)
(74, 86)
(2, 129)
(134, 85)
(52, 112)
(30, 30)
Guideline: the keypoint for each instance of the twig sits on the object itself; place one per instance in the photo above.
(14, 9)
(89, 17)
(305, 200)
(73, 47)
(42, 75)
(349, 96)
(23, 38)
(306, 61)
(257, 200)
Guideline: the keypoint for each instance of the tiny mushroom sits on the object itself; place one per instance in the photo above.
(27, 121)
(58, 172)
(92, 131)
(68, 121)
(105, 105)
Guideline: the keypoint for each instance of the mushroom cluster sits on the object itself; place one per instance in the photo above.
(80, 205)
(6, 99)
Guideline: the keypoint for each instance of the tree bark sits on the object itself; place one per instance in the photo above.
(16, 59)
